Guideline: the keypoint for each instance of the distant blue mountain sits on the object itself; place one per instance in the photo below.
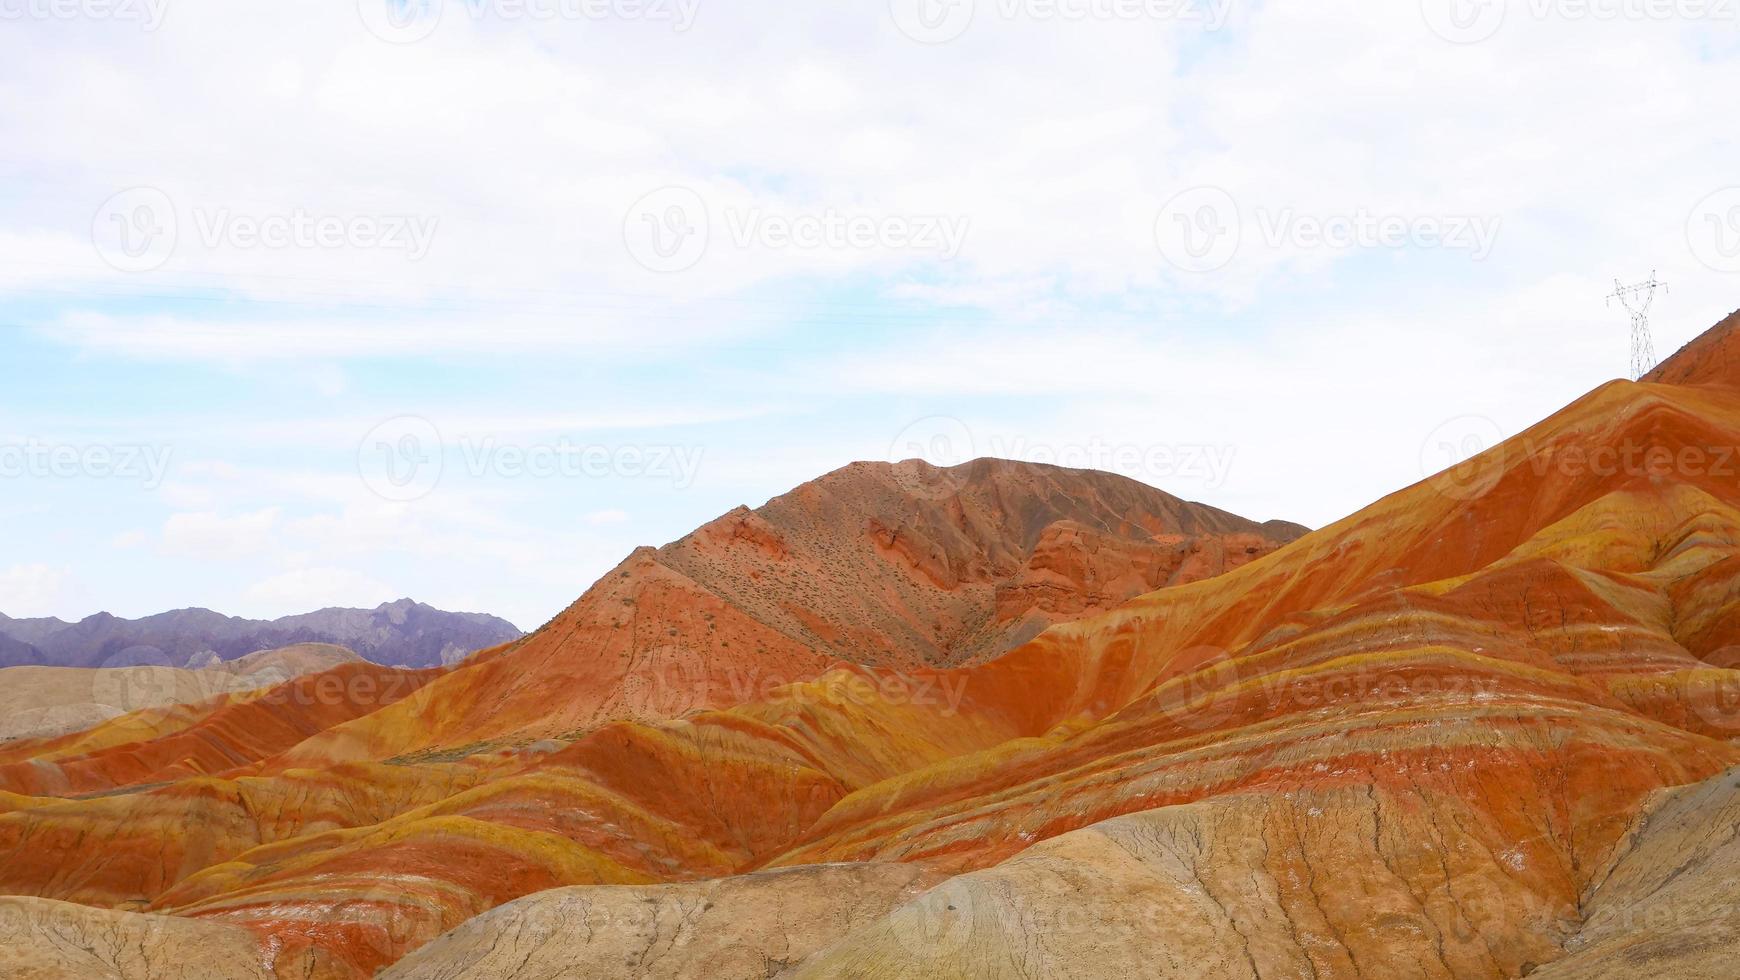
(400, 634)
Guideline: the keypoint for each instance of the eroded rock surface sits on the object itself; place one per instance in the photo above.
(740, 928)
(45, 940)
(1669, 907)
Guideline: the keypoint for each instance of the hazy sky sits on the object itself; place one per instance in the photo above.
(317, 303)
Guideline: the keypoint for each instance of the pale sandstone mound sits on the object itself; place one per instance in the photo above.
(746, 927)
(1342, 883)
(1669, 908)
(44, 702)
(46, 940)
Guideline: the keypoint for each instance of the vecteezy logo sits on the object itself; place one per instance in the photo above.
(932, 21)
(1464, 457)
(1715, 695)
(670, 682)
(937, 924)
(401, 459)
(137, 678)
(939, 440)
(400, 21)
(14, 920)
(1199, 230)
(1713, 230)
(134, 231)
(667, 230)
(1464, 21)
(1206, 691)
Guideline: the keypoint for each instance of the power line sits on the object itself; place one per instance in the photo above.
(1637, 299)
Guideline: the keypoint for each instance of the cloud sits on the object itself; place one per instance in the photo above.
(215, 537)
(130, 539)
(33, 590)
(525, 147)
(304, 589)
(1304, 115)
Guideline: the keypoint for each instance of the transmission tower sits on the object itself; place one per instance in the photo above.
(1637, 299)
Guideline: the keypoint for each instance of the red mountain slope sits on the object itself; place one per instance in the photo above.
(1425, 741)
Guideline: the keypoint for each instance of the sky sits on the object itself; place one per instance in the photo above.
(329, 303)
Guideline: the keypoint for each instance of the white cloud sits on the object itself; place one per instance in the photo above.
(216, 537)
(530, 164)
(33, 590)
(1324, 369)
(305, 589)
(130, 539)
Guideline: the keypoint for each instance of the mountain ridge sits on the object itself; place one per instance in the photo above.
(896, 567)
(402, 633)
(1410, 743)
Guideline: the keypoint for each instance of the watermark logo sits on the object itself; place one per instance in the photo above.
(673, 683)
(932, 21)
(1654, 461)
(34, 459)
(148, 14)
(857, 684)
(1199, 230)
(135, 230)
(332, 688)
(1481, 905)
(1204, 228)
(668, 229)
(401, 459)
(138, 230)
(670, 681)
(15, 922)
(410, 21)
(939, 440)
(1464, 21)
(138, 679)
(938, 922)
(368, 926)
(942, 441)
(1366, 229)
(834, 230)
(1206, 694)
(1715, 696)
(1713, 230)
(1463, 457)
(941, 21)
(565, 458)
(945, 441)
(1474, 21)
(400, 21)
(300, 228)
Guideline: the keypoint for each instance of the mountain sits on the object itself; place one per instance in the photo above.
(42, 702)
(402, 633)
(900, 567)
(1486, 727)
(14, 651)
(1712, 357)
(889, 566)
